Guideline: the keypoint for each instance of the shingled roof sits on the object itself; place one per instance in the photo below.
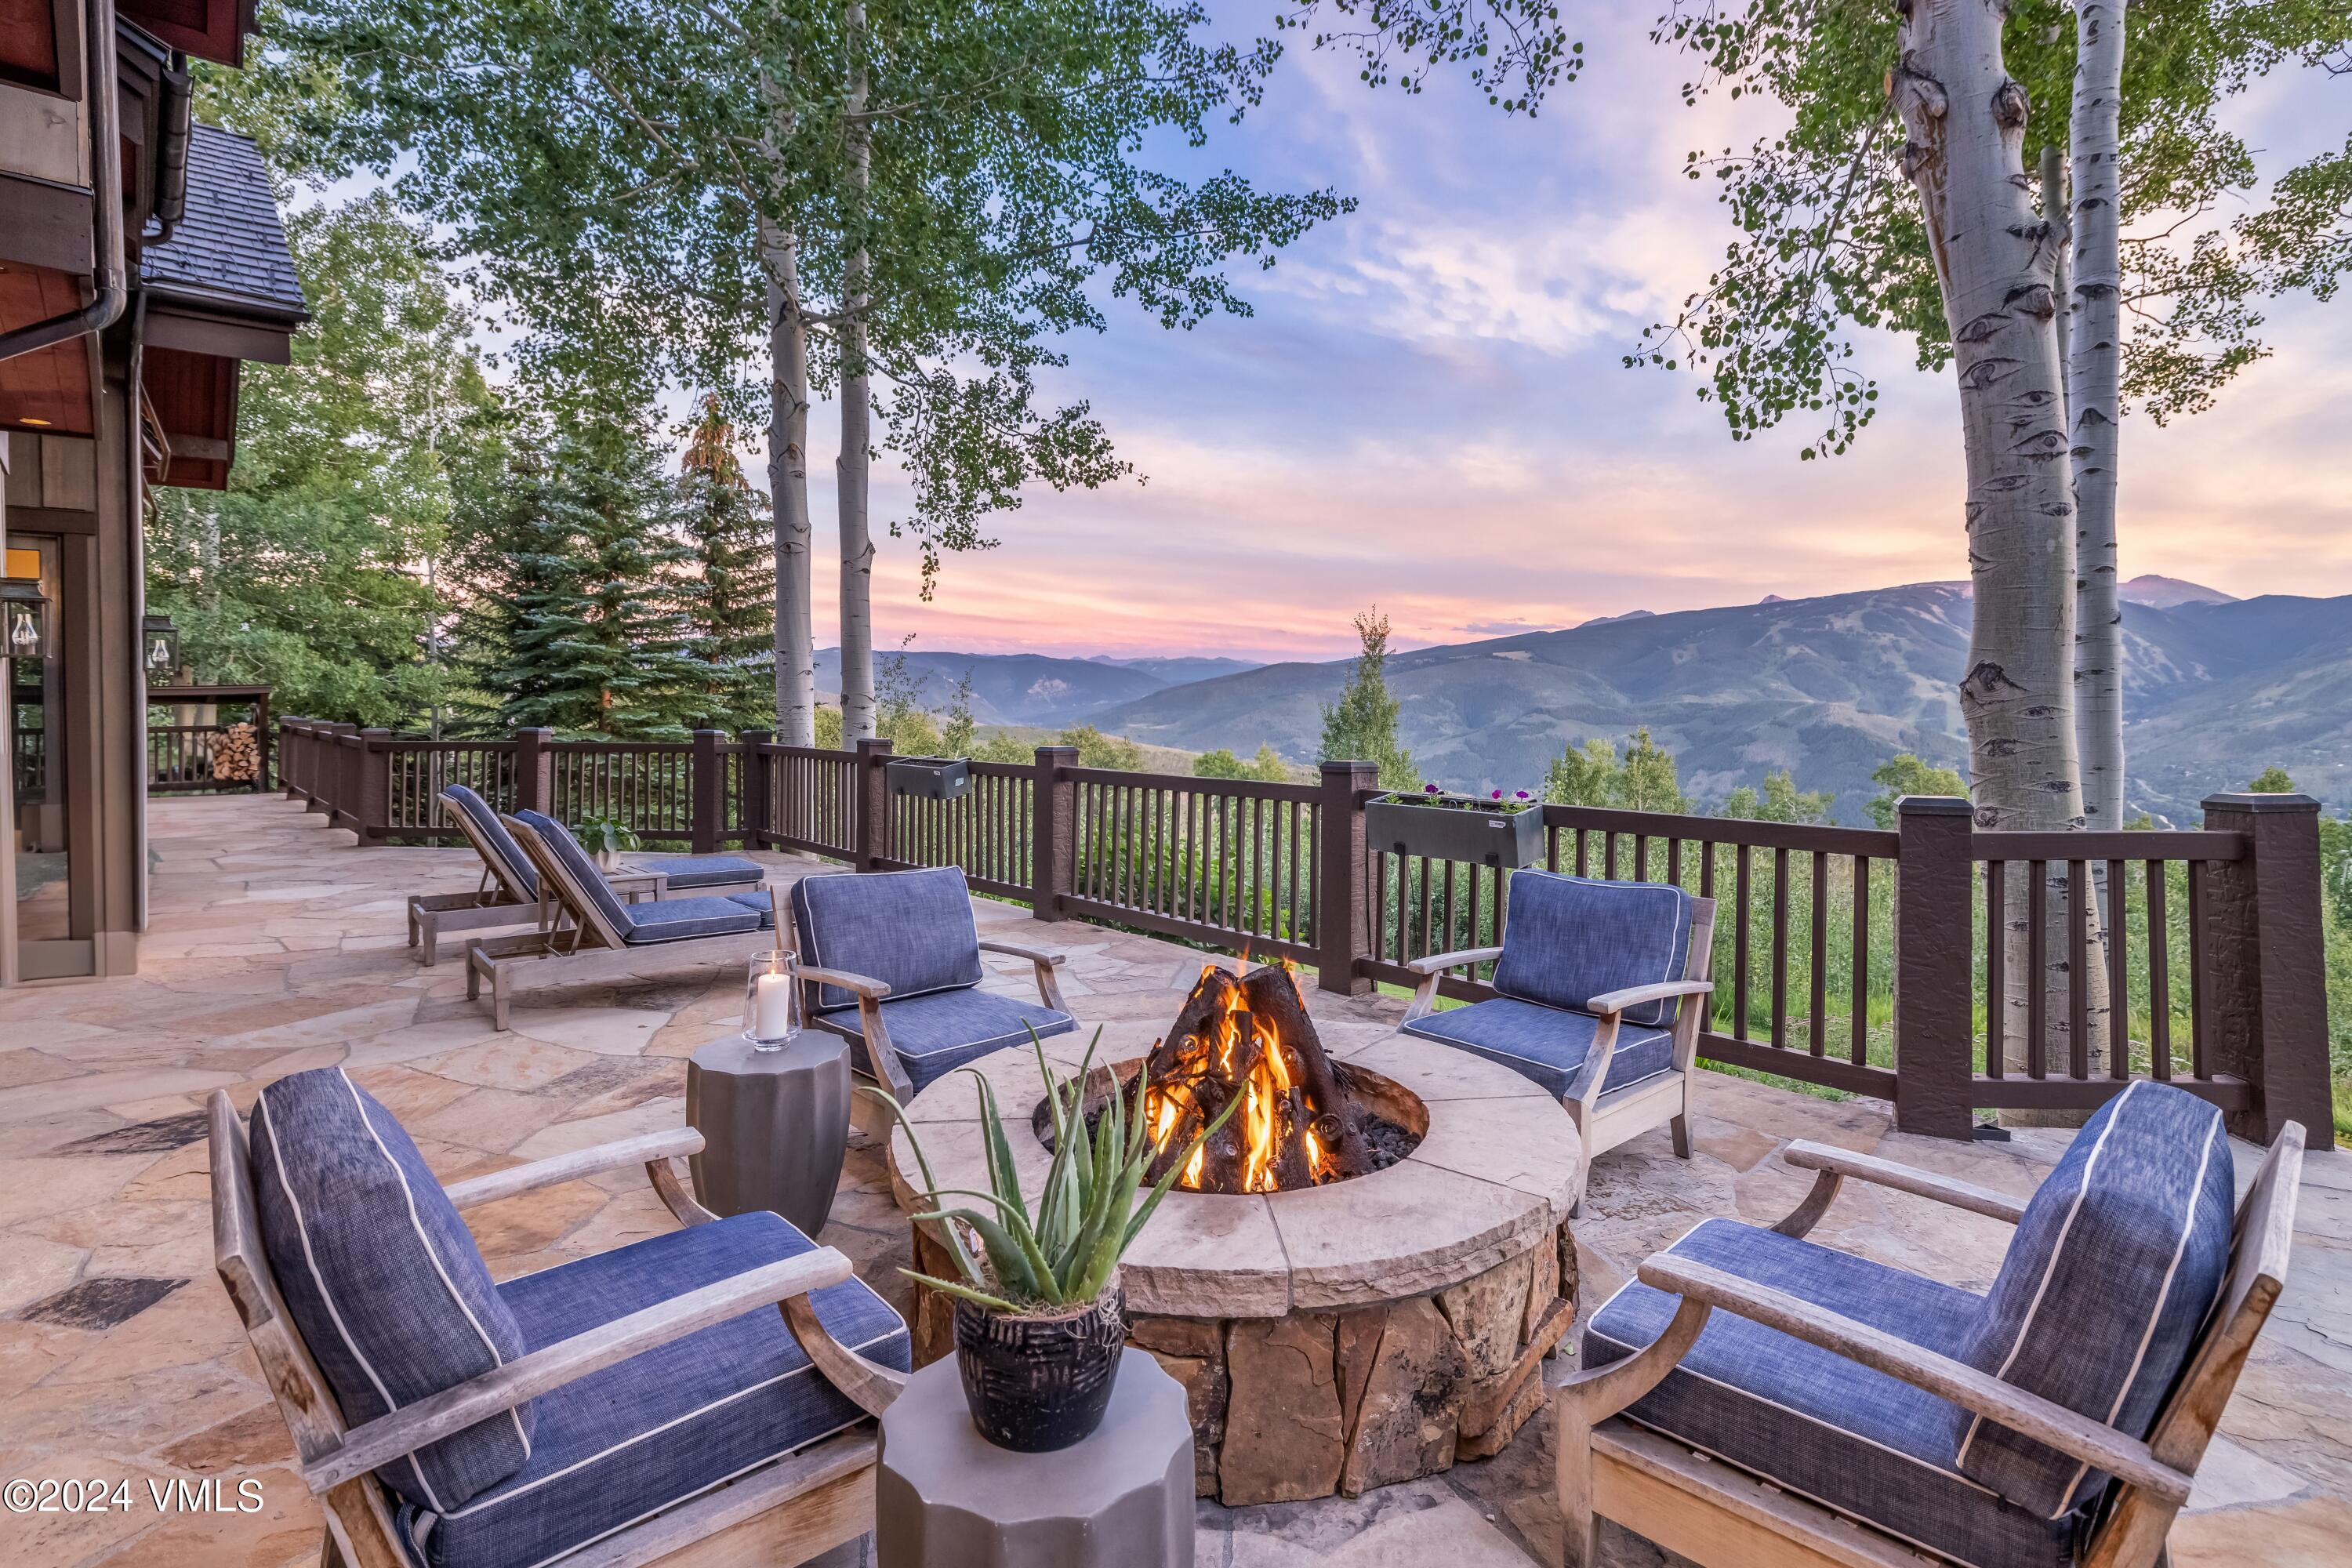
(230, 250)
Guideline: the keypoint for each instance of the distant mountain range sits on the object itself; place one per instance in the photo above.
(1828, 688)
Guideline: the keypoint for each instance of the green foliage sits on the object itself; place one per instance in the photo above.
(1828, 240)
(629, 178)
(1363, 727)
(730, 608)
(898, 712)
(305, 573)
(1592, 774)
(1649, 781)
(1096, 750)
(1781, 801)
(1515, 49)
(605, 834)
(1004, 748)
(1902, 775)
(2272, 780)
(957, 739)
(1583, 776)
(582, 594)
(1063, 1249)
(1266, 767)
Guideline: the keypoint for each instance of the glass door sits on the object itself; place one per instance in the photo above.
(35, 731)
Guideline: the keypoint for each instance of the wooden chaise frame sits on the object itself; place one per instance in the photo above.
(792, 1509)
(1603, 1121)
(497, 902)
(572, 927)
(1716, 1515)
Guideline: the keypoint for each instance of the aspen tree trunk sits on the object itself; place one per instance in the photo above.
(2053, 202)
(788, 482)
(851, 471)
(2093, 373)
(1995, 259)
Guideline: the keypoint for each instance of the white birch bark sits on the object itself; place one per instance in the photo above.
(1995, 259)
(852, 468)
(2053, 202)
(788, 483)
(2093, 373)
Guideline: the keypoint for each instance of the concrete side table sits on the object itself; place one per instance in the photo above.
(947, 1497)
(774, 1125)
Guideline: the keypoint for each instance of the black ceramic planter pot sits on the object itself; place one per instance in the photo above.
(1039, 1382)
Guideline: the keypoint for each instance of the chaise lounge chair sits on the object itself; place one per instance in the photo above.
(702, 1395)
(508, 893)
(589, 918)
(1602, 989)
(891, 961)
(1755, 1397)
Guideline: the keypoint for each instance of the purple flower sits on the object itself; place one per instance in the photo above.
(1521, 795)
(1498, 794)
(1428, 789)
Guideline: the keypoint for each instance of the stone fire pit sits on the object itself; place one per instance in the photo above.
(1335, 1337)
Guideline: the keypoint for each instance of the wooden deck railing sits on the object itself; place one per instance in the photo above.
(181, 757)
(1884, 964)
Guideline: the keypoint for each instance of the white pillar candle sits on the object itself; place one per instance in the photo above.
(771, 1007)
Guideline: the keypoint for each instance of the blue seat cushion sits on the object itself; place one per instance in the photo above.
(382, 1278)
(510, 864)
(575, 859)
(701, 871)
(2117, 1259)
(913, 931)
(674, 1421)
(1547, 1044)
(1567, 940)
(937, 1034)
(1815, 1424)
(680, 920)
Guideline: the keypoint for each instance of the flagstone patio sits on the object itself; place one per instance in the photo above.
(276, 946)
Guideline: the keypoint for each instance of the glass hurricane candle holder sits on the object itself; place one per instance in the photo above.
(772, 1001)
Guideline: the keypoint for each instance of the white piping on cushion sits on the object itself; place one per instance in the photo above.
(302, 1230)
(2179, 1249)
(635, 1438)
(817, 961)
(417, 1224)
(1639, 1035)
(1678, 937)
(2025, 1324)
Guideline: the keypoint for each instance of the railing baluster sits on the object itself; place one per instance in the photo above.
(1779, 949)
(1858, 1003)
(2037, 970)
(2118, 930)
(1820, 953)
(2160, 975)
(2200, 982)
(1740, 949)
(1996, 969)
(2079, 897)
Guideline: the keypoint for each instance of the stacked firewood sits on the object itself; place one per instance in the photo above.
(236, 755)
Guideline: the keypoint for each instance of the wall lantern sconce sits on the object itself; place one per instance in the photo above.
(159, 650)
(24, 619)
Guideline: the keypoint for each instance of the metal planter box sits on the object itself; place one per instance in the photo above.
(1506, 839)
(929, 778)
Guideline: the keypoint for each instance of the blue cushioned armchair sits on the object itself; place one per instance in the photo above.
(891, 960)
(1600, 989)
(709, 1387)
(509, 891)
(1755, 1397)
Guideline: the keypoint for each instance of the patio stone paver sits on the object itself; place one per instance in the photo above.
(276, 946)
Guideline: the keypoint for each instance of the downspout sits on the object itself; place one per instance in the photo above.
(172, 152)
(106, 202)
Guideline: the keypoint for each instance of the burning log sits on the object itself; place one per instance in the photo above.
(1251, 1037)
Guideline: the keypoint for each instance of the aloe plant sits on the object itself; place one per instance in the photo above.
(1061, 1251)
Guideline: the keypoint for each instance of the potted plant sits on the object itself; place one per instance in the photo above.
(608, 838)
(931, 778)
(1040, 1318)
(1503, 831)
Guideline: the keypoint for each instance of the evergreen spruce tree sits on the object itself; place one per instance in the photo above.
(1363, 727)
(595, 630)
(729, 607)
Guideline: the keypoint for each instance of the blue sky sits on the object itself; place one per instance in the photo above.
(1427, 410)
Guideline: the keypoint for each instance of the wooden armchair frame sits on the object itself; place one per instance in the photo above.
(1718, 1515)
(571, 927)
(889, 1071)
(1604, 1120)
(497, 902)
(787, 1511)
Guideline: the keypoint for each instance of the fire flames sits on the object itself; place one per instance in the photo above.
(1229, 1044)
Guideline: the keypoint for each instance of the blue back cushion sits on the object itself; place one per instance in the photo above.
(911, 929)
(515, 866)
(2120, 1256)
(1567, 940)
(567, 850)
(382, 1278)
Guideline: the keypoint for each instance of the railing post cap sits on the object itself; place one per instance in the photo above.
(872, 743)
(1342, 765)
(2240, 800)
(1933, 806)
(1057, 751)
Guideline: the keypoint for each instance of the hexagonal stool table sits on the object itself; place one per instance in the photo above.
(947, 1497)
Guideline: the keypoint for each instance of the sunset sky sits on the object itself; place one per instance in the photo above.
(1427, 409)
